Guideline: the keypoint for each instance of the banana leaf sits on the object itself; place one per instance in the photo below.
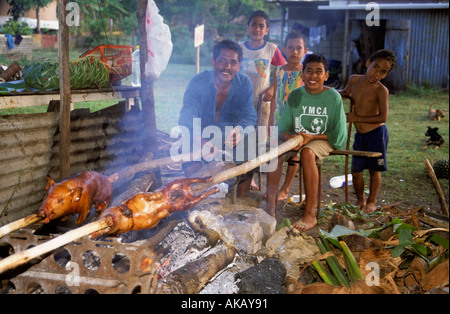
(339, 231)
(87, 72)
(405, 239)
(438, 240)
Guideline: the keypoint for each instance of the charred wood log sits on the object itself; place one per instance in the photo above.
(141, 182)
(192, 277)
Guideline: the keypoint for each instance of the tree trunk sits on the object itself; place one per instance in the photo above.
(38, 20)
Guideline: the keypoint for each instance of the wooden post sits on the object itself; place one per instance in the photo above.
(345, 53)
(437, 187)
(198, 40)
(283, 24)
(146, 93)
(64, 90)
(197, 60)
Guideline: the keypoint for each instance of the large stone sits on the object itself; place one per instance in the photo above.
(293, 248)
(245, 227)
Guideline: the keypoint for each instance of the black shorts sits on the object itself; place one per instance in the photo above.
(374, 141)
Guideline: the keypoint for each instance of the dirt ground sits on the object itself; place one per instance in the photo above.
(293, 211)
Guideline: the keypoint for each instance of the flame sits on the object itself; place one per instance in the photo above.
(148, 264)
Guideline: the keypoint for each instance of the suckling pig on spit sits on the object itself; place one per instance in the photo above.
(145, 210)
(76, 195)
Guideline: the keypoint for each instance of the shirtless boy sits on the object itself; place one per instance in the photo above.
(369, 116)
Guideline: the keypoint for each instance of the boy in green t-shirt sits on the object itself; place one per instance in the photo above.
(316, 112)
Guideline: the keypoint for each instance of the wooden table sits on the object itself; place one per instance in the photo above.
(30, 99)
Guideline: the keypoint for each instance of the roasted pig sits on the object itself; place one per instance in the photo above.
(76, 195)
(145, 210)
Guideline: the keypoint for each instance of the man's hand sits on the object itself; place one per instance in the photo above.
(208, 148)
(233, 138)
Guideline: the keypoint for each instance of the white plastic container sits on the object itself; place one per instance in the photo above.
(136, 69)
(295, 198)
(339, 181)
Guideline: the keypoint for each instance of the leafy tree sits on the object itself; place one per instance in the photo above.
(222, 19)
(19, 7)
(103, 18)
(38, 4)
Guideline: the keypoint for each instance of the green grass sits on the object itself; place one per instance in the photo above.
(169, 90)
(406, 179)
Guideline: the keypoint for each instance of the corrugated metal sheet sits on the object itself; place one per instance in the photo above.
(104, 141)
(25, 144)
(429, 45)
(428, 60)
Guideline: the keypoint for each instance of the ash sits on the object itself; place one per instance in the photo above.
(224, 282)
(183, 246)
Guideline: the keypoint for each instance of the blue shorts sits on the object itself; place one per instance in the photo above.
(374, 141)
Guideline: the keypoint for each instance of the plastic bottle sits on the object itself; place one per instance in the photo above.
(339, 181)
(295, 198)
(136, 69)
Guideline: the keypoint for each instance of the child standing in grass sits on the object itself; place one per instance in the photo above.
(286, 78)
(369, 116)
(259, 55)
(316, 112)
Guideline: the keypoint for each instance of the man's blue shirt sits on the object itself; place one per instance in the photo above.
(200, 102)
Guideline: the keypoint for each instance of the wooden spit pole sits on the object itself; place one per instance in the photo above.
(157, 163)
(254, 163)
(20, 258)
(20, 223)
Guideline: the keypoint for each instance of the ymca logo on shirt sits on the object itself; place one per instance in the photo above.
(313, 120)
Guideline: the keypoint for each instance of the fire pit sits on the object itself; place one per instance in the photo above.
(84, 266)
(211, 243)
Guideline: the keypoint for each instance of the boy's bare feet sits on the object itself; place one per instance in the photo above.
(370, 208)
(271, 209)
(305, 223)
(253, 185)
(282, 195)
(361, 204)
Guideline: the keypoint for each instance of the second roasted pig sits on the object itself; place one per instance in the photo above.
(145, 210)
